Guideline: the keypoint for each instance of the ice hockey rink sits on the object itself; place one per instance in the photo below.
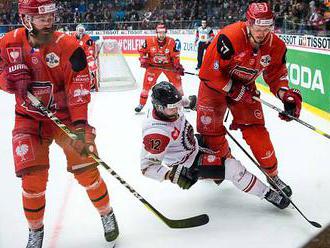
(236, 219)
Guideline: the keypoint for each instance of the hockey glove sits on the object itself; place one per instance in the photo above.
(292, 104)
(183, 176)
(241, 93)
(18, 80)
(144, 62)
(178, 68)
(85, 143)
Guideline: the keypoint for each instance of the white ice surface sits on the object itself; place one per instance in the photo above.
(236, 219)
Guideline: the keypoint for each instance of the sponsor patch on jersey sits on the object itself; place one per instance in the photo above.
(81, 78)
(206, 120)
(79, 94)
(258, 114)
(52, 60)
(15, 54)
(216, 65)
(265, 60)
(34, 60)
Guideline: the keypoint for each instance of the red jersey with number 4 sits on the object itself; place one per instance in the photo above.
(162, 56)
(60, 77)
(231, 58)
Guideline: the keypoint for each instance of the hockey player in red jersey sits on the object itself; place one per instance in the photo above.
(160, 51)
(170, 151)
(239, 53)
(87, 43)
(52, 67)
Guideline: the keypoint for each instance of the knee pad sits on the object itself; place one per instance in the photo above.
(35, 182)
(87, 177)
(234, 170)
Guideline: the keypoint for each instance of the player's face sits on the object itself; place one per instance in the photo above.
(204, 24)
(161, 36)
(260, 33)
(172, 112)
(43, 26)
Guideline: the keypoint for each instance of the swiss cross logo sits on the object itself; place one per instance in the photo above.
(175, 133)
(14, 54)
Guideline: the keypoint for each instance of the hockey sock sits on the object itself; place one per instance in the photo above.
(243, 179)
(96, 189)
(33, 196)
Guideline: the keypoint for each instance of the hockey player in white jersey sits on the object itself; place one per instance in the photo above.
(171, 151)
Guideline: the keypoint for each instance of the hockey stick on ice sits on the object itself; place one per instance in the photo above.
(313, 223)
(172, 223)
(167, 69)
(292, 117)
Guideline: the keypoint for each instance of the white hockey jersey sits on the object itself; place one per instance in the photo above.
(166, 144)
(204, 34)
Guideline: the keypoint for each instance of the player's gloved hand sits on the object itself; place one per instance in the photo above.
(18, 80)
(178, 68)
(242, 93)
(144, 62)
(85, 144)
(292, 104)
(183, 176)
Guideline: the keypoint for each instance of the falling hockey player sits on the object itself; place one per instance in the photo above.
(159, 55)
(171, 151)
(53, 67)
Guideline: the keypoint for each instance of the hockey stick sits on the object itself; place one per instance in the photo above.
(313, 223)
(167, 69)
(292, 117)
(172, 223)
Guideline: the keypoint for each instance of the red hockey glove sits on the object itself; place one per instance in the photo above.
(18, 79)
(85, 144)
(241, 93)
(178, 68)
(144, 62)
(292, 104)
(182, 176)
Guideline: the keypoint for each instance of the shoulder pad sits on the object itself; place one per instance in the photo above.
(225, 47)
(78, 60)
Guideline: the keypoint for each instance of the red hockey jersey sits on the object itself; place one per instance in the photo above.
(230, 57)
(60, 77)
(163, 56)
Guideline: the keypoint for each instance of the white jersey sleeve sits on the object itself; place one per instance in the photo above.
(166, 144)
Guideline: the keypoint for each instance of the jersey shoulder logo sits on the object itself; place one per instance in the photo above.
(52, 60)
(15, 54)
(265, 60)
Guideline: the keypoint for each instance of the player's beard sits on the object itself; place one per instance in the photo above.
(43, 36)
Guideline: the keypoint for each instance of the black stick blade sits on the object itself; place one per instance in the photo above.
(315, 224)
(195, 221)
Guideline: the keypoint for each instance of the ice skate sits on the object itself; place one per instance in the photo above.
(35, 238)
(139, 108)
(277, 199)
(283, 186)
(111, 230)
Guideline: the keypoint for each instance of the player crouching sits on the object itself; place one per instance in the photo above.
(170, 151)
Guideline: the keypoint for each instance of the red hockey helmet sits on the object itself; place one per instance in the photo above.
(36, 7)
(260, 14)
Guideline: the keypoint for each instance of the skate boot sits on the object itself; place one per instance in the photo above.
(277, 199)
(192, 102)
(35, 238)
(110, 226)
(139, 108)
(283, 186)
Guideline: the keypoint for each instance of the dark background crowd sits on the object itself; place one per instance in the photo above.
(292, 16)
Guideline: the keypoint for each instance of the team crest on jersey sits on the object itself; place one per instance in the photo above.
(52, 60)
(167, 50)
(265, 60)
(34, 60)
(44, 92)
(80, 94)
(206, 120)
(15, 54)
(175, 133)
(243, 73)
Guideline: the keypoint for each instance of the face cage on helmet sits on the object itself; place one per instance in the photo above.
(162, 108)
